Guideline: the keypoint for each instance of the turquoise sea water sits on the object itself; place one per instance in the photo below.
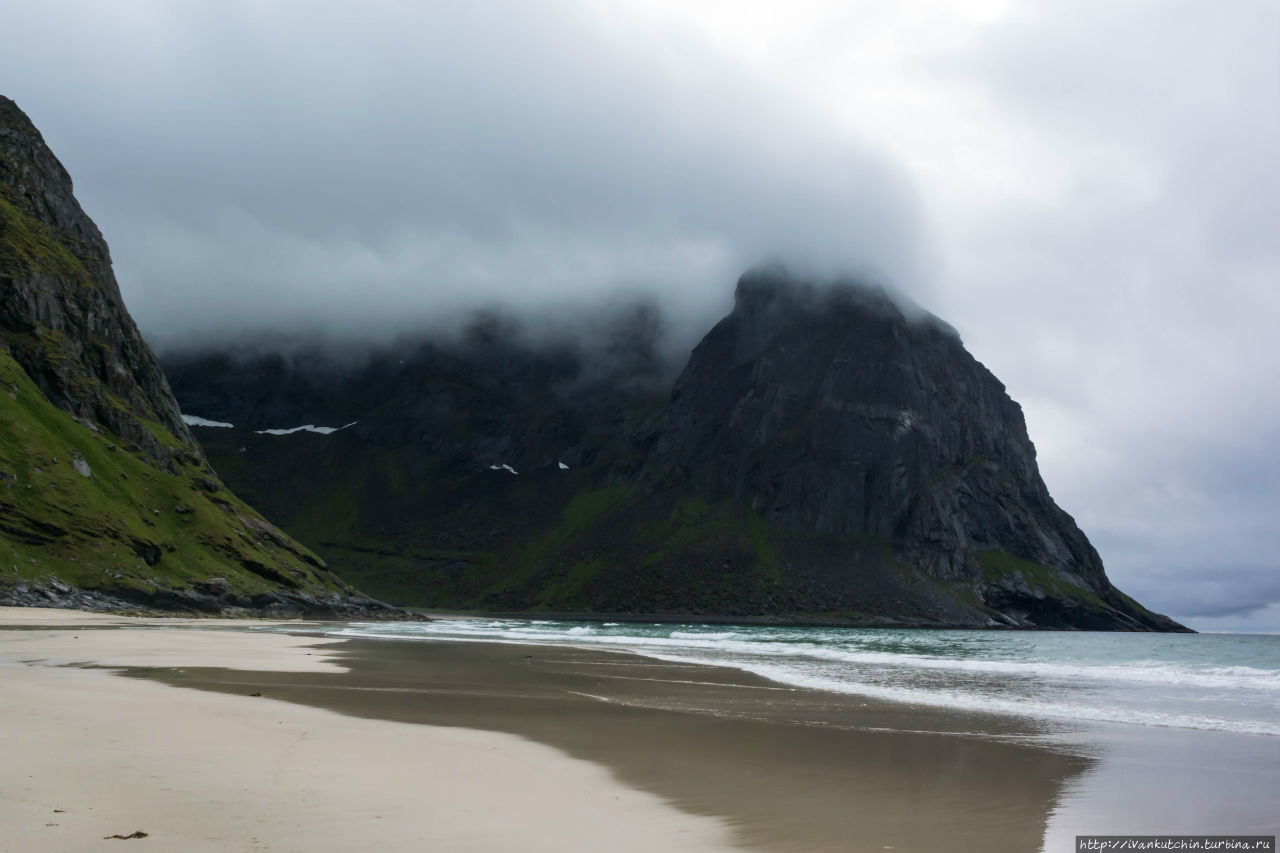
(1225, 682)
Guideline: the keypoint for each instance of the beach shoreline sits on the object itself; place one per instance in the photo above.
(713, 757)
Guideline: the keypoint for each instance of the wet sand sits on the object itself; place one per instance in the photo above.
(787, 769)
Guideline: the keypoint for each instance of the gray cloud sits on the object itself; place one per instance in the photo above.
(1134, 315)
(265, 165)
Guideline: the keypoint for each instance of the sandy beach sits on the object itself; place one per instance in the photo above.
(88, 754)
(113, 725)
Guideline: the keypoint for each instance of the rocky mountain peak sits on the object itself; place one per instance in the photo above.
(41, 183)
(838, 411)
(770, 299)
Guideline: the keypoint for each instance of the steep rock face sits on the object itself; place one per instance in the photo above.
(823, 456)
(830, 411)
(61, 314)
(106, 500)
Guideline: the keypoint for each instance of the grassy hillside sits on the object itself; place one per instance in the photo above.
(81, 506)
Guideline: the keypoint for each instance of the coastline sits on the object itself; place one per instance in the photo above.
(797, 621)
(746, 761)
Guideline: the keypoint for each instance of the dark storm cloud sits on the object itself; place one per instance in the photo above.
(358, 167)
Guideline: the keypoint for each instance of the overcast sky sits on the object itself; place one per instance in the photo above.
(1088, 191)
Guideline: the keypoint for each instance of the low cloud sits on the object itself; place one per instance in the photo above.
(301, 165)
(1128, 299)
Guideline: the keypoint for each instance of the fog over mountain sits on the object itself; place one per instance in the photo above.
(1088, 193)
(361, 171)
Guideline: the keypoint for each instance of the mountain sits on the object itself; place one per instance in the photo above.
(827, 454)
(106, 499)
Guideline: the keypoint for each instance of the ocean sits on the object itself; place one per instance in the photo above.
(1215, 682)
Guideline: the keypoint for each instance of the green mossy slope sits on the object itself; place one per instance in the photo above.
(127, 527)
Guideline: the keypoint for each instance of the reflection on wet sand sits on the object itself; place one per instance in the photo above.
(789, 769)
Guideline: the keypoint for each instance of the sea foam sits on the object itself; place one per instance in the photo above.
(1221, 682)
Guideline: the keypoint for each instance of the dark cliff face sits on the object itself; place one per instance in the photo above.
(828, 411)
(61, 314)
(822, 456)
(831, 412)
(106, 500)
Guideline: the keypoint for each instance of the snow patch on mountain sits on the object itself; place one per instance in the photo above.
(196, 420)
(304, 428)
